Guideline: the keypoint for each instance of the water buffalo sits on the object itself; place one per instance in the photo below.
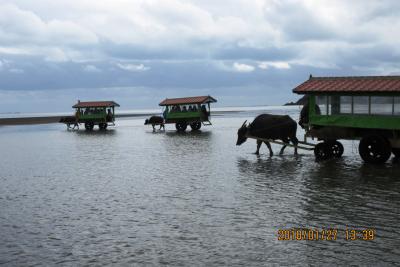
(69, 120)
(272, 127)
(155, 120)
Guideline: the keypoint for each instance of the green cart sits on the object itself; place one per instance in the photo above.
(365, 108)
(193, 111)
(101, 113)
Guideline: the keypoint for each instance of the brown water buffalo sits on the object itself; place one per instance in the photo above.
(272, 127)
(155, 120)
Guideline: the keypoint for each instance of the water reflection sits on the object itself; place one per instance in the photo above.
(271, 166)
(339, 193)
(342, 193)
(108, 132)
(189, 134)
(127, 196)
(195, 146)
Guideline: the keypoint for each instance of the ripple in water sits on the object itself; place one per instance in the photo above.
(129, 196)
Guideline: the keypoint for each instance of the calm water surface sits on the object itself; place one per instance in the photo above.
(132, 197)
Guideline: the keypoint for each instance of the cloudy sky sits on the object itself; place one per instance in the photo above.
(137, 52)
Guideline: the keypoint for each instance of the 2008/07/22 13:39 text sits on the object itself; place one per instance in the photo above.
(329, 234)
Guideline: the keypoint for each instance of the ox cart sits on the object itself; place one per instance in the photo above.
(101, 113)
(352, 108)
(193, 111)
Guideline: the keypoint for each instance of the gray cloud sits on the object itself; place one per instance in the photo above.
(191, 47)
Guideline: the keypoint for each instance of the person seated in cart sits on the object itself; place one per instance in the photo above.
(365, 108)
(93, 113)
(187, 111)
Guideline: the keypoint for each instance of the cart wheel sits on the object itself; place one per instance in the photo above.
(396, 152)
(103, 126)
(195, 126)
(181, 126)
(374, 149)
(336, 149)
(322, 151)
(89, 125)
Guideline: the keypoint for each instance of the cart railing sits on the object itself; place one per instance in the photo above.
(303, 145)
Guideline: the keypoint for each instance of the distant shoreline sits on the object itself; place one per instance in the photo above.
(50, 119)
(29, 120)
(32, 120)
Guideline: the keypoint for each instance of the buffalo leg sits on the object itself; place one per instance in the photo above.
(282, 150)
(286, 141)
(258, 147)
(154, 128)
(295, 142)
(271, 153)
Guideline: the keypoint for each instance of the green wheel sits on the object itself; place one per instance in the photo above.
(181, 126)
(336, 148)
(322, 151)
(195, 126)
(103, 126)
(89, 126)
(374, 149)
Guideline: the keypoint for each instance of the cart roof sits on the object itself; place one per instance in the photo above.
(355, 85)
(188, 100)
(95, 104)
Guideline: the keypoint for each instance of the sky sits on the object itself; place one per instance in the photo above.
(138, 52)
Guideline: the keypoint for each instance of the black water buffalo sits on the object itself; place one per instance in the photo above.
(155, 120)
(272, 127)
(69, 120)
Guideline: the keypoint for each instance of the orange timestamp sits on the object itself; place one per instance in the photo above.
(330, 234)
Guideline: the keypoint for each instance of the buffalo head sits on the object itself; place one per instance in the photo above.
(146, 122)
(242, 134)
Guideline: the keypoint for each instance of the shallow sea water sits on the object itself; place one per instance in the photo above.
(129, 196)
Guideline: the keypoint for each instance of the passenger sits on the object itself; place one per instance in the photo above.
(178, 108)
(203, 109)
(109, 114)
(184, 109)
(86, 111)
(194, 108)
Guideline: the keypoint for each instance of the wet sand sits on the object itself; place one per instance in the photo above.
(48, 119)
(29, 120)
